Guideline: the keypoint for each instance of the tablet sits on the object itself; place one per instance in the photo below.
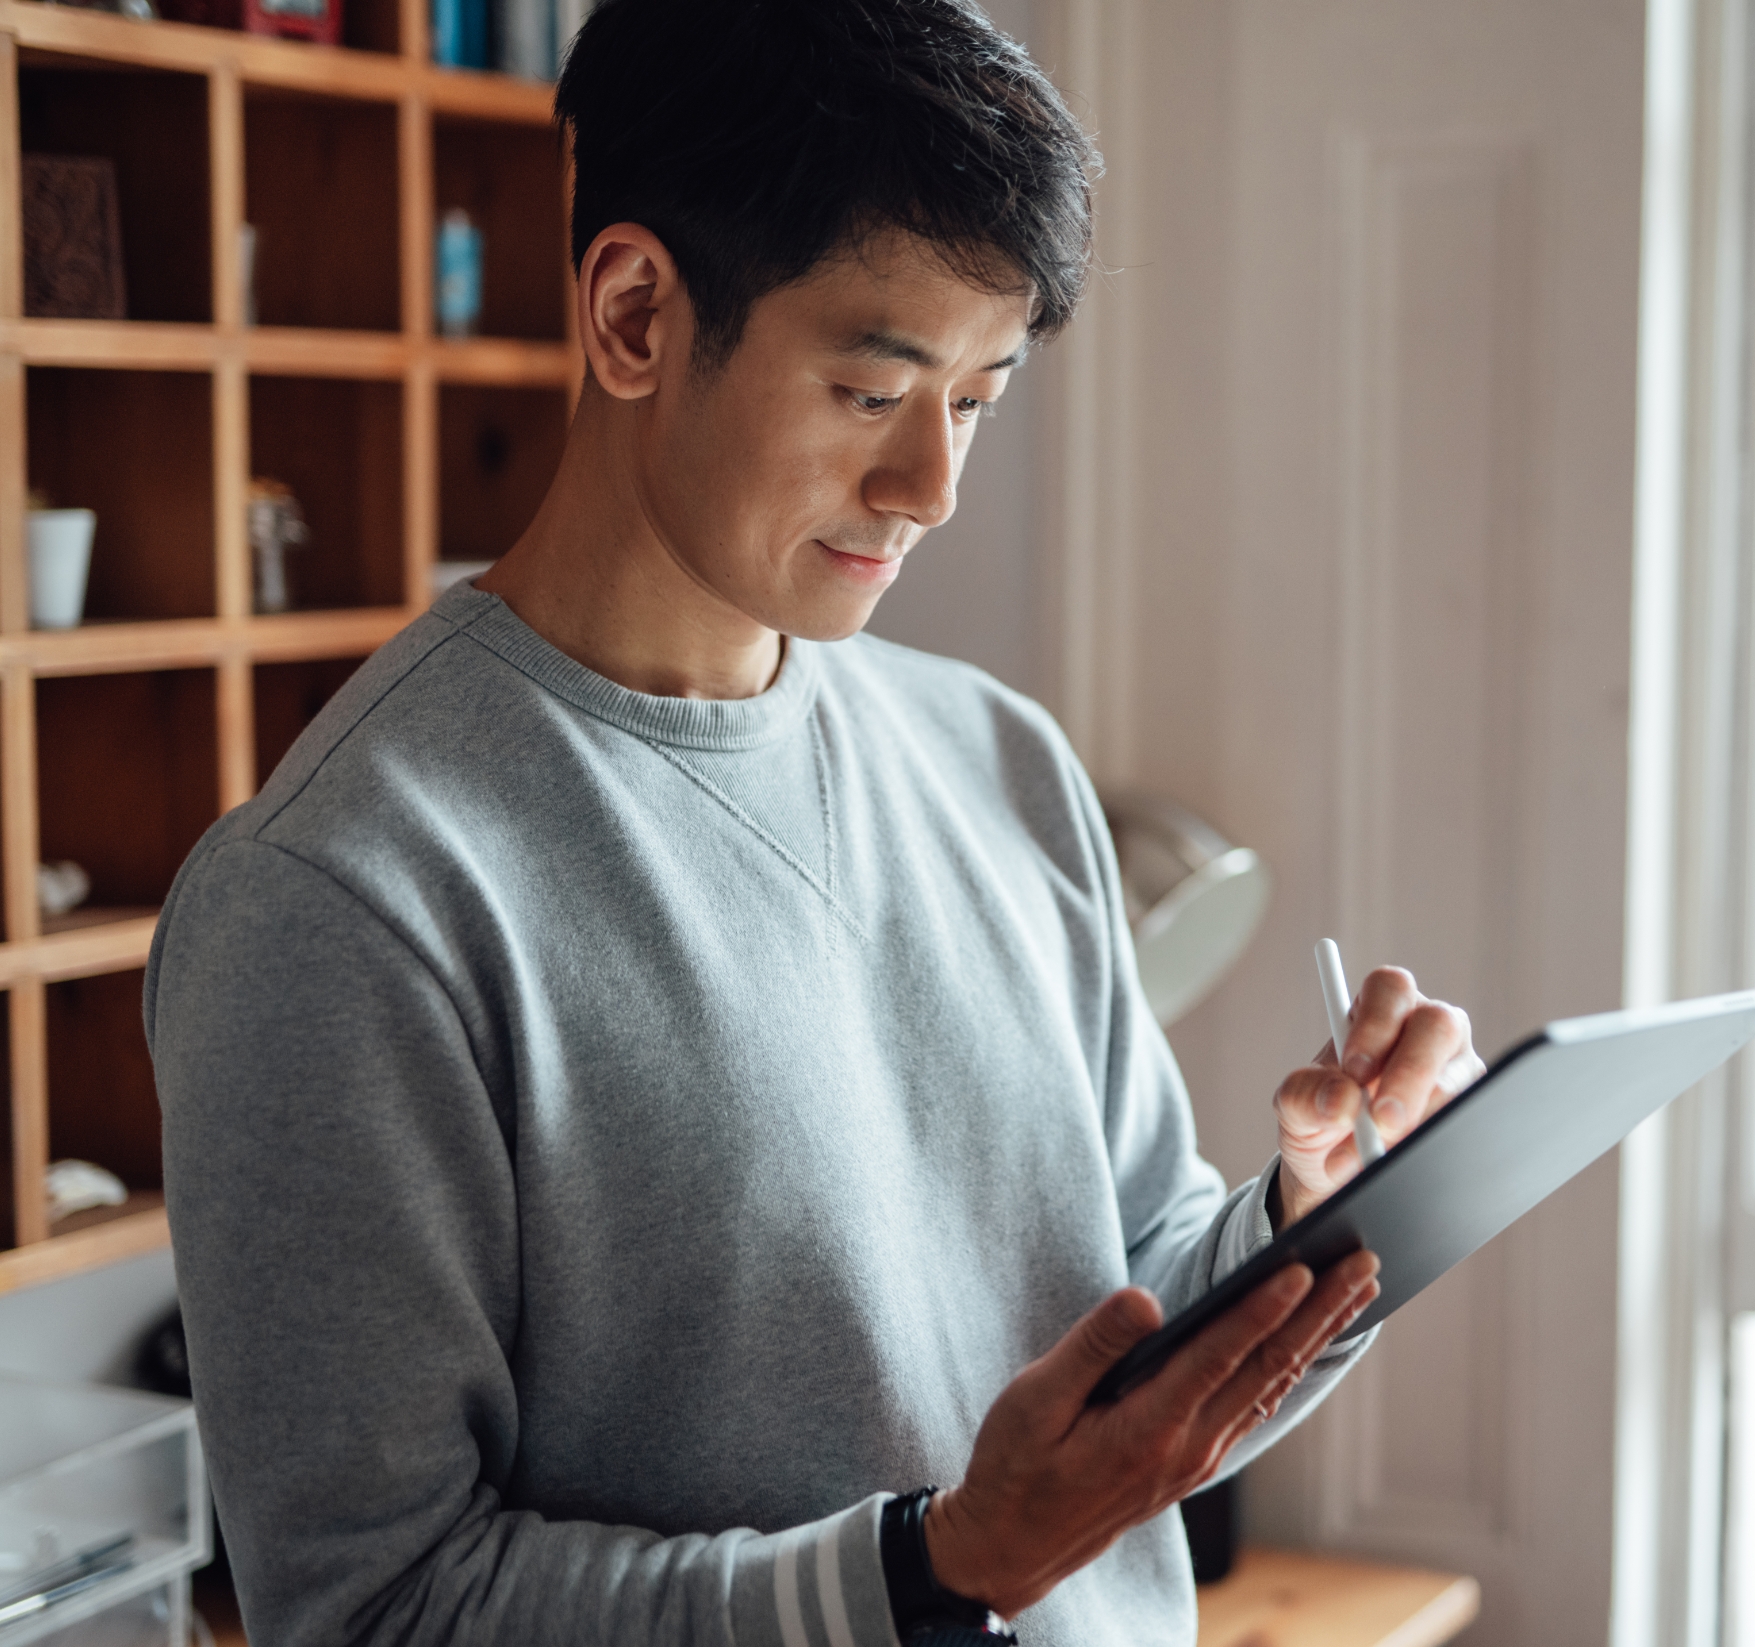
(1544, 1111)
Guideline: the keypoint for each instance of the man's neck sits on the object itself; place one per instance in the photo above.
(592, 577)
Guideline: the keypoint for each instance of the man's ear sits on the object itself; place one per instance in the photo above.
(635, 319)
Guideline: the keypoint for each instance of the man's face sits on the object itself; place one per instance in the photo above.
(791, 482)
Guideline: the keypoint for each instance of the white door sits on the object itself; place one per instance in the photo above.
(1338, 554)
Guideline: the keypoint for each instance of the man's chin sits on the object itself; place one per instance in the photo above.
(833, 621)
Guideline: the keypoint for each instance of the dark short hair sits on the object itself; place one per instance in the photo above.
(756, 138)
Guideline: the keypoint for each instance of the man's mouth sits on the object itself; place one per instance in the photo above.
(872, 570)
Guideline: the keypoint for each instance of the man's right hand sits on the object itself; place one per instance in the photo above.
(1053, 1483)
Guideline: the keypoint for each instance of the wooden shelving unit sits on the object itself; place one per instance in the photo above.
(120, 741)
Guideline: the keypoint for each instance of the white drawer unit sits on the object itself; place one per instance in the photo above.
(103, 1514)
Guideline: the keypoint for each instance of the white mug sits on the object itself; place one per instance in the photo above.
(60, 558)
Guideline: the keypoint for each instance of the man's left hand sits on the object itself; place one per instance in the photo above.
(1405, 1055)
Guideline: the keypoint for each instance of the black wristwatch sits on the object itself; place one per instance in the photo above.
(926, 1614)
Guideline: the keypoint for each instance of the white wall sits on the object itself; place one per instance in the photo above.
(88, 1327)
(1365, 604)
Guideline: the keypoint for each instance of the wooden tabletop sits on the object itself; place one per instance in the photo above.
(1298, 1598)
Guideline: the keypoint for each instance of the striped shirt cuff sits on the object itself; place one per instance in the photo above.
(1248, 1229)
(819, 1585)
(1247, 1226)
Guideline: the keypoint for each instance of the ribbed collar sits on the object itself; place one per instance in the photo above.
(689, 723)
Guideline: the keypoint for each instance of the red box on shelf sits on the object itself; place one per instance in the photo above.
(318, 20)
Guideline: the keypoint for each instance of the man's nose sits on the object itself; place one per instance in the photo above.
(917, 476)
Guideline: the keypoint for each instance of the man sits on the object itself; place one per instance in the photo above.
(644, 1086)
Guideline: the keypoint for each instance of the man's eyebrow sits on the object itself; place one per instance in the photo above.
(885, 345)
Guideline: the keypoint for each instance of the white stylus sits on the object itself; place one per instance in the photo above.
(1338, 999)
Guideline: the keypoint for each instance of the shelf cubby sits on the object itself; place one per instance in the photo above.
(103, 1106)
(498, 451)
(153, 126)
(320, 187)
(337, 443)
(372, 25)
(136, 447)
(288, 697)
(127, 778)
(508, 178)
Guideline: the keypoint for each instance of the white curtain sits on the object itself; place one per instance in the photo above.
(1686, 1434)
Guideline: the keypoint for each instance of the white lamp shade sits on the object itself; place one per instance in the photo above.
(1194, 900)
(1187, 941)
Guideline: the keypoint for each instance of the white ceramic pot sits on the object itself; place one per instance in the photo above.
(60, 558)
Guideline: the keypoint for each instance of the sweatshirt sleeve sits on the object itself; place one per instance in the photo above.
(344, 1211)
(1184, 1232)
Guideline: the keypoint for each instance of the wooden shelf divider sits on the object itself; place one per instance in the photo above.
(130, 1235)
(30, 1110)
(200, 738)
(11, 246)
(86, 951)
(145, 345)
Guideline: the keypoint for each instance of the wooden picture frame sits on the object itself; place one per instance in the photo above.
(72, 238)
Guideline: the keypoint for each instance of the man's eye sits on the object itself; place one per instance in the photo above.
(970, 407)
(873, 403)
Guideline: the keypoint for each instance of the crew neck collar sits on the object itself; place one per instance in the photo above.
(688, 723)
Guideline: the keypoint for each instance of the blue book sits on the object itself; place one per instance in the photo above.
(460, 33)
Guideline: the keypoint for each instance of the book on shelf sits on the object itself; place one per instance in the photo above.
(527, 35)
(528, 38)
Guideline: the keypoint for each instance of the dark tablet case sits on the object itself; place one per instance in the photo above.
(1544, 1111)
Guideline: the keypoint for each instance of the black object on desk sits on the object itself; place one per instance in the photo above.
(1210, 1518)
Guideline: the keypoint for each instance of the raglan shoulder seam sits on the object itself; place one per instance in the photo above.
(453, 631)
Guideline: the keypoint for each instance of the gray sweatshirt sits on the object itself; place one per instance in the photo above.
(613, 1142)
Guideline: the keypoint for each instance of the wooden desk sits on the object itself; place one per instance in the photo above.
(1295, 1598)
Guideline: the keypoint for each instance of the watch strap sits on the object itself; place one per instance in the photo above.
(957, 1635)
(923, 1610)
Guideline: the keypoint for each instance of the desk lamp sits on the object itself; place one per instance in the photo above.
(1193, 899)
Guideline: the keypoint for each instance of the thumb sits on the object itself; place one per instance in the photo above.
(1065, 1376)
